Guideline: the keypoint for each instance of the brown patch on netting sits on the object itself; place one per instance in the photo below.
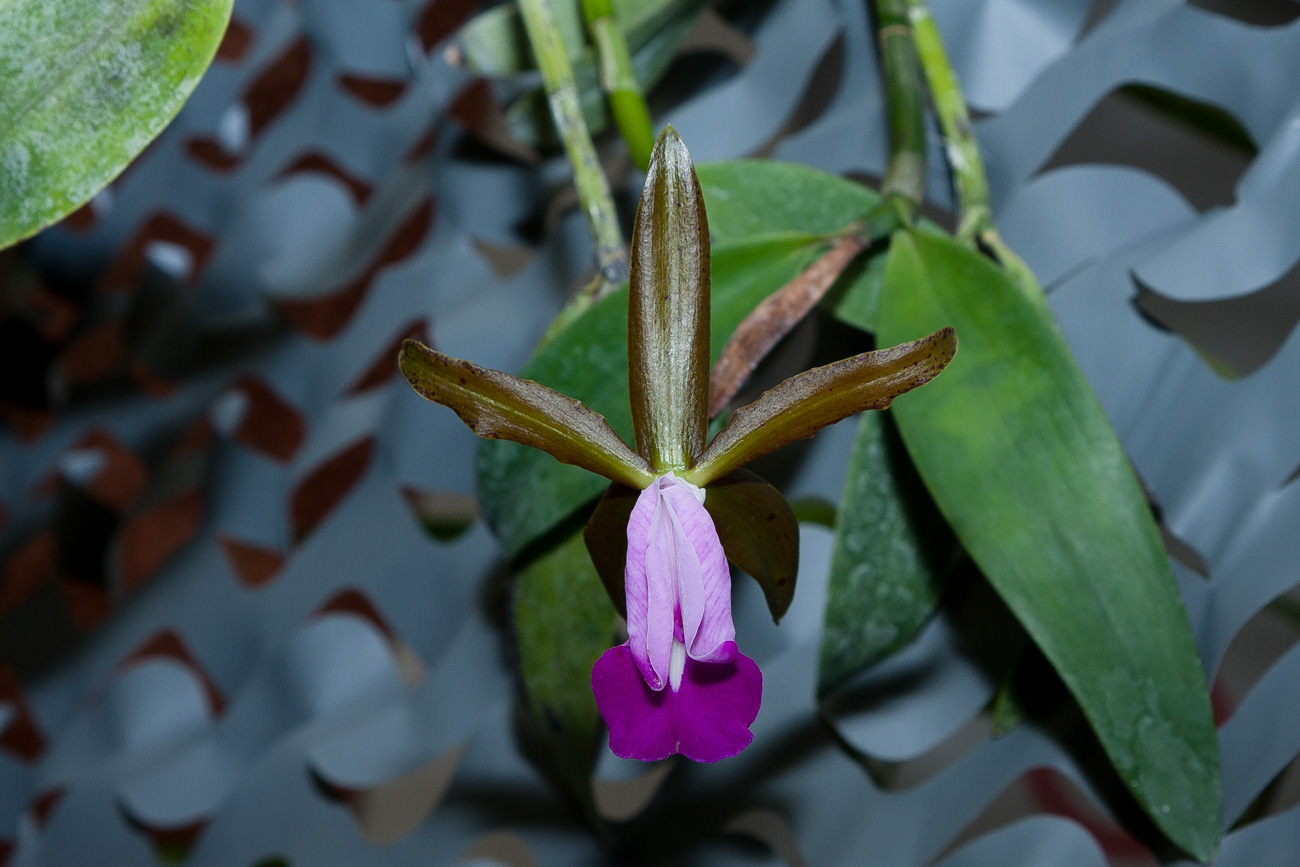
(28, 424)
(384, 366)
(171, 843)
(126, 270)
(235, 44)
(441, 18)
(253, 565)
(42, 806)
(325, 487)
(97, 354)
(324, 317)
(423, 145)
(270, 94)
(119, 481)
(20, 737)
(87, 605)
(168, 645)
(269, 426)
(377, 92)
(81, 220)
(315, 162)
(153, 536)
(354, 602)
(34, 563)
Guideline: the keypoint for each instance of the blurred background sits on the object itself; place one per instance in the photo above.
(248, 615)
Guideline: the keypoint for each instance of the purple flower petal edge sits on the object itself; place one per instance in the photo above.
(706, 719)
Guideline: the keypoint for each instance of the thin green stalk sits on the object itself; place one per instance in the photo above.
(975, 216)
(904, 183)
(593, 188)
(626, 102)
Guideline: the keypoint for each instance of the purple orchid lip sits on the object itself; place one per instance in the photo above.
(679, 684)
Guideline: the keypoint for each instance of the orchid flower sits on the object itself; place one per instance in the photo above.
(678, 508)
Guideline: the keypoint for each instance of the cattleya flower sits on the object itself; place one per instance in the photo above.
(678, 508)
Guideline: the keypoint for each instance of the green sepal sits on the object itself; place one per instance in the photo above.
(759, 533)
(817, 398)
(496, 405)
(668, 312)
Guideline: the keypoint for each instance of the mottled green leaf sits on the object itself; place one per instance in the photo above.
(806, 403)
(668, 311)
(496, 405)
(1019, 455)
(84, 86)
(524, 493)
(563, 622)
(893, 552)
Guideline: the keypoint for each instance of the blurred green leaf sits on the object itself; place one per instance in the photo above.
(1019, 455)
(563, 622)
(84, 86)
(893, 552)
(525, 493)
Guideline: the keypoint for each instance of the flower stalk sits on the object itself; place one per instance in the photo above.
(618, 80)
(593, 188)
(975, 215)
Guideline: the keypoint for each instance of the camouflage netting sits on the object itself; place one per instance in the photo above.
(238, 641)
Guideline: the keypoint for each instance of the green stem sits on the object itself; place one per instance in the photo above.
(593, 188)
(617, 79)
(905, 175)
(975, 216)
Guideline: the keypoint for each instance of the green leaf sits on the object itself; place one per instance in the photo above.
(668, 311)
(496, 405)
(759, 533)
(1020, 457)
(84, 86)
(893, 553)
(817, 398)
(747, 198)
(562, 624)
(524, 493)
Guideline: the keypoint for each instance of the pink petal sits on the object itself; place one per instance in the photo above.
(650, 592)
(706, 720)
(712, 594)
